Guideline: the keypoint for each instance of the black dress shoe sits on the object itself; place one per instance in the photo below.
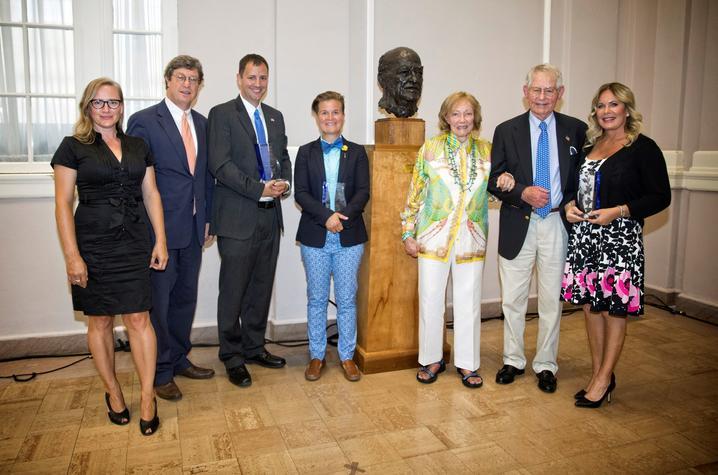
(169, 391)
(267, 360)
(547, 381)
(507, 374)
(239, 376)
(195, 372)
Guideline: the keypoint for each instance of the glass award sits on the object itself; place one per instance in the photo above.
(340, 200)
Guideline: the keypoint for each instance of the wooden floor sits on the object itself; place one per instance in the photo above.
(664, 417)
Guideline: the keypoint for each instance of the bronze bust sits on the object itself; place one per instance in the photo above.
(400, 76)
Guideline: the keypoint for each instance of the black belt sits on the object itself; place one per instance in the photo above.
(124, 207)
(265, 204)
(111, 201)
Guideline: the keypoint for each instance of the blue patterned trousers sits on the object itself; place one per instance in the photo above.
(320, 264)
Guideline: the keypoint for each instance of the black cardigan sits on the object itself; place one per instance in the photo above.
(635, 176)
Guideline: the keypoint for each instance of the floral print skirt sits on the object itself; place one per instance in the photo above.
(605, 266)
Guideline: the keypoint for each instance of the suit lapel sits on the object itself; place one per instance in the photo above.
(244, 119)
(522, 139)
(343, 164)
(270, 123)
(563, 141)
(317, 161)
(164, 117)
(201, 133)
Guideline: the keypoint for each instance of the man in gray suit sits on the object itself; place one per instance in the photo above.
(248, 156)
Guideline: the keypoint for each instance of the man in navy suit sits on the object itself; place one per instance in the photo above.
(248, 156)
(177, 137)
(539, 148)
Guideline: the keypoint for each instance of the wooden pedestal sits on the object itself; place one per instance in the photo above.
(387, 300)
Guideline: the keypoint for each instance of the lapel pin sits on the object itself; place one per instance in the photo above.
(272, 120)
(567, 138)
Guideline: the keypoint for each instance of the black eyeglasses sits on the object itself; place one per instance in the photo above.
(111, 103)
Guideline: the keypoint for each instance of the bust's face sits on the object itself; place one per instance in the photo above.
(404, 78)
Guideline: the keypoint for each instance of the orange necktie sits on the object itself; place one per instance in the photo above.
(188, 143)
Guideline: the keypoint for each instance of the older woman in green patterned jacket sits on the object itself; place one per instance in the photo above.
(445, 225)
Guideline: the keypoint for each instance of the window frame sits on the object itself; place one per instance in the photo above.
(27, 96)
(93, 48)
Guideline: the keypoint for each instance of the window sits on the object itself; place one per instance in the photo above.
(37, 78)
(137, 39)
(50, 49)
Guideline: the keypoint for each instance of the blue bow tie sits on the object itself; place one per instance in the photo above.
(327, 147)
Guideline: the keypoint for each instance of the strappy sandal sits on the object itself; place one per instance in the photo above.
(432, 376)
(465, 379)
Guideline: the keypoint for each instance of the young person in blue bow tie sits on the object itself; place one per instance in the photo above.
(331, 179)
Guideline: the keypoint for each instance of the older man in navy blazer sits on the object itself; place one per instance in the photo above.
(540, 149)
(177, 137)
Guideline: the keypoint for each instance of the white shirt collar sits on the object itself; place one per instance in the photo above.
(250, 107)
(535, 121)
(176, 111)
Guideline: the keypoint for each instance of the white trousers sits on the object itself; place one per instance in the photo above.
(544, 249)
(466, 295)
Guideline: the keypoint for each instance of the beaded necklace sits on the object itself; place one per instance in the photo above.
(452, 147)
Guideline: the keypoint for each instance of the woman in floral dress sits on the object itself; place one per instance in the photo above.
(622, 179)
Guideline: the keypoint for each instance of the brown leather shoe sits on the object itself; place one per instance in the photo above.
(169, 391)
(195, 372)
(351, 372)
(314, 369)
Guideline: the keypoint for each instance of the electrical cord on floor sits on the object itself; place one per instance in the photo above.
(124, 346)
(25, 377)
(672, 309)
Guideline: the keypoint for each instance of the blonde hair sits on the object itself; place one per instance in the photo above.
(84, 130)
(449, 104)
(634, 120)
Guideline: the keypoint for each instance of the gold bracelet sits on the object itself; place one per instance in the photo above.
(620, 208)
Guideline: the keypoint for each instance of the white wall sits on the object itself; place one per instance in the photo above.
(664, 49)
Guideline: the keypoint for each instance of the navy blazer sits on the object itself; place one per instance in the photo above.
(309, 176)
(511, 152)
(179, 189)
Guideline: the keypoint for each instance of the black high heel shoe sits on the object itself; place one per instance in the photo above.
(150, 427)
(582, 392)
(587, 403)
(119, 418)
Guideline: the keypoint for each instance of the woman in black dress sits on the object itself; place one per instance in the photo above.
(622, 179)
(107, 246)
